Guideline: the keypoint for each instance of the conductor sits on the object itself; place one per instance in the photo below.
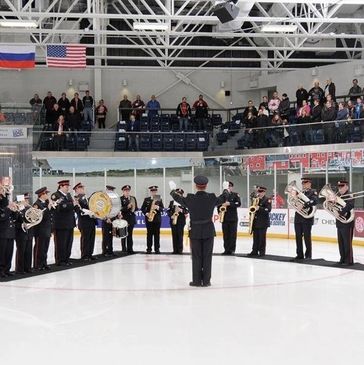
(201, 207)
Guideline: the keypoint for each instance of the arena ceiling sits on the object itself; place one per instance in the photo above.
(327, 31)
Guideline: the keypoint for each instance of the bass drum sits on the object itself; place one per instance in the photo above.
(120, 228)
(105, 204)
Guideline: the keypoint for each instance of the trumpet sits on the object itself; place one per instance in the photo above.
(222, 211)
(252, 210)
(6, 189)
(334, 203)
(298, 200)
(54, 203)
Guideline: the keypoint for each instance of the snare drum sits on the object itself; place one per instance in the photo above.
(120, 228)
(105, 204)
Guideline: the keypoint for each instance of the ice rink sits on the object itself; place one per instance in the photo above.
(140, 310)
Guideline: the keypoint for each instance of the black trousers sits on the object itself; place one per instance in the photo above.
(40, 251)
(259, 240)
(177, 237)
(24, 247)
(87, 242)
(63, 240)
(229, 231)
(6, 254)
(345, 240)
(107, 237)
(153, 232)
(201, 260)
(127, 242)
(303, 230)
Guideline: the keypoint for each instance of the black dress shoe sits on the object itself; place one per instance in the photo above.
(261, 254)
(3, 275)
(9, 274)
(93, 258)
(194, 284)
(207, 284)
(252, 254)
(29, 271)
(157, 252)
(297, 258)
(20, 272)
(148, 252)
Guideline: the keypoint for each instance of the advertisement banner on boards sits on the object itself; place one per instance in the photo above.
(13, 132)
(359, 224)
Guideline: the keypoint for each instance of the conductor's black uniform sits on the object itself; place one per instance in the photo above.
(177, 229)
(230, 223)
(303, 226)
(201, 207)
(260, 225)
(64, 223)
(154, 227)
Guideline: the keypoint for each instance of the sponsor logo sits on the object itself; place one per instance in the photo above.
(359, 224)
(277, 219)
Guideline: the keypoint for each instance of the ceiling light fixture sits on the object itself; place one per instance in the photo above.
(283, 28)
(13, 23)
(150, 26)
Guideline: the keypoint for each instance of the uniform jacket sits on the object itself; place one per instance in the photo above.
(345, 212)
(28, 234)
(312, 195)
(8, 220)
(64, 214)
(231, 214)
(261, 218)
(84, 221)
(181, 220)
(146, 208)
(128, 215)
(201, 207)
(44, 228)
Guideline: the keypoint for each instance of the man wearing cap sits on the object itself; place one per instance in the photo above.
(152, 208)
(64, 223)
(345, 231)
(86, 223)
(106, 227)
(128, 207)
(302, 225)
(43, 230)
(201, 207)
(261, 222)
(24, 240)
(177, 215)
(230, 222)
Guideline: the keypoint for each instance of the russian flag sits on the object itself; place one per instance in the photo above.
(17, 56)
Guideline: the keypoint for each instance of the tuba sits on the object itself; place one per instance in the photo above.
(34, 216)
(333, 204)
(252, 210)
(152, 211)
(222, 211)
(298, 201)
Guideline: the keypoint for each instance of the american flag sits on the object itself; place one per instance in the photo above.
(71, 56)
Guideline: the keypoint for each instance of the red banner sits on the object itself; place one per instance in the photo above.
(295, 161)
(318, 160)
(256, 163)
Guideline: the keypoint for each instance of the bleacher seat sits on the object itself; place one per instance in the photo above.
(70, 143)
(319, 137)
(168, 142)
(174, 122)
(223, 135)
(216, 120)
(81, 143)
(355, 135)
(157, 142)
(144, 124)
(145, 142)
(191, 141)
(121, 143)
(202, 141)
(179, 142)
(154, 125)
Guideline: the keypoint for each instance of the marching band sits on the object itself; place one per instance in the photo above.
(20, 222)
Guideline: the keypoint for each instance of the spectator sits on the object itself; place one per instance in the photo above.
(250, 108)
(331, 100)
(36, 103)
(273, 104)
(328, 114)
(304, 108)
(278, 201)
(125, 108)
(264, 103)
(77, 104)
(248, 137)
(138, 107)
(358, 109)
(201, 114)
(301, 94)
(265, 110)
(316, 93)
(330, 89)
(101, 111)
(275, 135)
(342, 127)
(133, 125)
(2, 117)
(184, 114)
(355, 90)
(74, 119)
(88, 108)
(262, 122)
(284, 106)
(54, 114)
(48, 103)
(59, 137)
(351, 108)
(153, 107)
(64, 104)
(304, 130)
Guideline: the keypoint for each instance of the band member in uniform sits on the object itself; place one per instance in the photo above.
(230, 221)
(177, 215)
(201, 207)
(42, 231)
(261, 222)
(24, 241)
(107, 237)
(64, 223)
(128, 207)
(8, 218)
(345, 231)
(302, 225)
(86, 224)
(152, 208)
